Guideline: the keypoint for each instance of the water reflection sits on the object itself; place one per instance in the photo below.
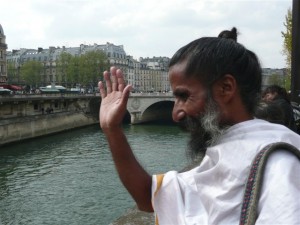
(69, 178)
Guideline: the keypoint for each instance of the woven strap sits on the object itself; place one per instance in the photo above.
(254, 182)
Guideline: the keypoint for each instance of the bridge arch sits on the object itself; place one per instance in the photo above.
(150, 108)
(160, 112)
(142, 108)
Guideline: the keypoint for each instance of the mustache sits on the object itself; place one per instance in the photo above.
(189, 124)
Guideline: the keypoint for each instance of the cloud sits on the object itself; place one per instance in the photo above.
(145, 28)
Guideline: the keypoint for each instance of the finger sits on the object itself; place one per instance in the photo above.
(101, 89)
(114, 81)
(107, 81)
(120, 79)
(125, 94)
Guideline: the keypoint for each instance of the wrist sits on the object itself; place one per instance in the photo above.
(108, 130)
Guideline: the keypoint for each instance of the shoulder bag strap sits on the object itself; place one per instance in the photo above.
(254, 182)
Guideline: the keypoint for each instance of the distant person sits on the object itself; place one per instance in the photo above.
(216, 83)
(271, 112)
(48, 110)
(279, 96)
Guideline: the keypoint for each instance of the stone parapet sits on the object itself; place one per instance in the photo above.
(134, 216)
(18, 129)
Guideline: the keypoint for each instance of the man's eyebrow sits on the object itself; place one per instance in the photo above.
(179, 92)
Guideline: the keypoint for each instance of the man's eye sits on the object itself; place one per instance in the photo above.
(183, 96)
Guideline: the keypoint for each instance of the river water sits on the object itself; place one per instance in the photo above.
(69, 178)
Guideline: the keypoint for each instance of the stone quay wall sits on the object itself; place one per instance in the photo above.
(18, 129)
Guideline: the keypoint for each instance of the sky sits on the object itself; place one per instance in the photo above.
(145, 28)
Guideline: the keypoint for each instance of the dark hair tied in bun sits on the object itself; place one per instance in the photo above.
(229, 34)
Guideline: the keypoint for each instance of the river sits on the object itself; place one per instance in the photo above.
(69, 178)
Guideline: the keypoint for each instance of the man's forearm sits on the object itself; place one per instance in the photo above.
(136, 180)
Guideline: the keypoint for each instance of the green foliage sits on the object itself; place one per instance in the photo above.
(31, 73)
(65, 68)
(281, 80)
(92, 64)
(276, 79)
(288, 80)
(12, 74)
(86, 69)
(287, 48)
(287, 35)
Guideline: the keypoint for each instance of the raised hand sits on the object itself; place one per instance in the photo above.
(112, 111)
(114, 96)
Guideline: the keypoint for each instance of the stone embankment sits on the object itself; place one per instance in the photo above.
(135, 217)
(21, 128)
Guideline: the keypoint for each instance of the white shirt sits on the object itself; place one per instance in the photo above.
(212, 192)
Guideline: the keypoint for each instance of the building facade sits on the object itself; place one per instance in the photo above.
(148, 75)
(48, 58)
(3, 47)
(145, 75)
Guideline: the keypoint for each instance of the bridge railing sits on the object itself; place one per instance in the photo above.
(151, 94)
(44, 95)
(57, 95)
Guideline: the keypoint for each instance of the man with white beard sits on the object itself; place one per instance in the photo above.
(216, 83)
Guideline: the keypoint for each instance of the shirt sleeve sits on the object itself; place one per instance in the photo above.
(280, 196)
(167, 198)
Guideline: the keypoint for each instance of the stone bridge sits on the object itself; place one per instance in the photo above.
(150, 107)
(141, 107)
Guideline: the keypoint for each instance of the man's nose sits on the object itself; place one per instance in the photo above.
(178, 113)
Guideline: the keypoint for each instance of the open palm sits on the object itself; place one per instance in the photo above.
(113, 99)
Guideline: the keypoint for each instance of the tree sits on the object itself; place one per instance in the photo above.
(12, 74)
(287, 46)
(85, 70)
(68, 69)
(65, 69)
(31, 73)
(276, 79)
(287, 35)
(74, 70)
(91, 66)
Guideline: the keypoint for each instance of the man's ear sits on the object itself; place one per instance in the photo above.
(225, 88)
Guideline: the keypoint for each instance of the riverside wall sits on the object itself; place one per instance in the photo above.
(18, 129)
(29, 116)
(134, 216)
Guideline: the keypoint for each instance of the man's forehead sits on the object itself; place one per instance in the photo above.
(179, 67)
